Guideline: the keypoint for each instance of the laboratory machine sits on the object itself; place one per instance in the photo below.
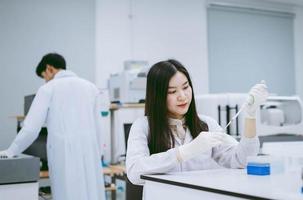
(129, 85)
(280, 115)
(19, 177)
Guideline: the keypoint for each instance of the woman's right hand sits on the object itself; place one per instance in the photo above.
(204, 142)
(256, 96)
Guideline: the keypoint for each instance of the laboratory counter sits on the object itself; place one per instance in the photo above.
(222, 184)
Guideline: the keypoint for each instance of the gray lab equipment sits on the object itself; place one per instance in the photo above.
(20, 169)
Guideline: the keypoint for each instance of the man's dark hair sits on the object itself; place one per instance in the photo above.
(53, 59)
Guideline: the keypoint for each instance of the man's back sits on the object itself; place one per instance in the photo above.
(72, 104)
(72, 143)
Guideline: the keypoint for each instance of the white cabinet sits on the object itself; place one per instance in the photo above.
(121, 118)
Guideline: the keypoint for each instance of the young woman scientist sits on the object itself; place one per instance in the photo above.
(172, 137)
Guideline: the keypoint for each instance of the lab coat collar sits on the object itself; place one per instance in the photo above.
(188, 137)
(64, 73)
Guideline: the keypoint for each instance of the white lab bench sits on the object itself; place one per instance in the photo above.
(222, 184)
(26, 191)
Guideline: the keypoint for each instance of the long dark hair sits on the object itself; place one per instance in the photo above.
(160, 138)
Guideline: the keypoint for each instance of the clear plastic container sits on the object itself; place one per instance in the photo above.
(275, 164)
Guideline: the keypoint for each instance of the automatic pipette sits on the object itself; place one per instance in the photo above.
(250, 102)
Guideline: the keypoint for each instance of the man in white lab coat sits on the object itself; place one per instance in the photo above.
(68, 105)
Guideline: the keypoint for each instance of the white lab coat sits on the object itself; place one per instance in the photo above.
(140, 162)
(68, 106)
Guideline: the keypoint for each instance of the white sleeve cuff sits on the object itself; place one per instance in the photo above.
(13, 150)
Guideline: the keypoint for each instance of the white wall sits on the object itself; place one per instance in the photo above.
(299, 50)
(153, 31)
(112, 38)
(157, 30)
(30, 29)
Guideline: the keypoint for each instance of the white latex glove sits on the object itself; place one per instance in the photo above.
(202, 143)
(256, 96)
(6, 154)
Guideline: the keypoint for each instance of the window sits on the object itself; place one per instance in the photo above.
(248, 45)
